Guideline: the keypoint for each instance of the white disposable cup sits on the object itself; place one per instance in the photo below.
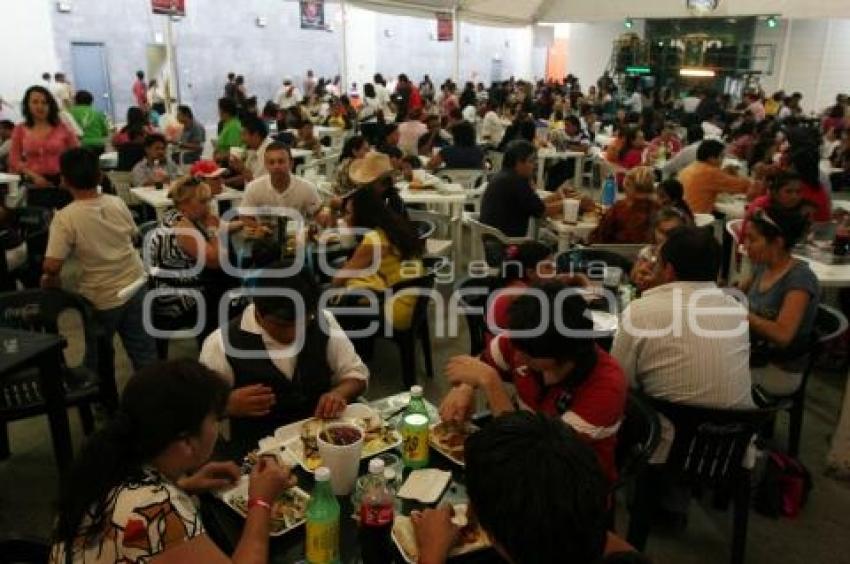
(343, 461)
(571, 209)
(612, 276)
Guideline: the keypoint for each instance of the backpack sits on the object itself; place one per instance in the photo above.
(784, 487)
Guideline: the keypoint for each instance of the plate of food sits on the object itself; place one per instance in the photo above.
(289, 510)
(300, 439)
(471, 538)
(448, 439)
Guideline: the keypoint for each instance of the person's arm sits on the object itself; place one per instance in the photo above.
(16, 152)
(624, 349)
(604, 232)
(361, 260)
(192, 245)
(60, 241)
(435, 163)
(529, 202)
(473, 372)
(783, 329)
(730, 183)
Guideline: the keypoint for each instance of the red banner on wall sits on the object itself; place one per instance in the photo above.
(176, 7)
(445, 26)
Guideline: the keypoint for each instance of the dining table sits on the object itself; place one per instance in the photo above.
(158, 198)
(550, 154)
(831, 270)
(224, 525)
(449, 198)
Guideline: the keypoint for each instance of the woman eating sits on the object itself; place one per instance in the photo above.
(462, 153)
(38, 142)
(783, 296)
(389, 240)
(129, 495)
(187, 236)
(630, 220)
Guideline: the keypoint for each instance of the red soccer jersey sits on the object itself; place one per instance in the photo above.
(594, 408)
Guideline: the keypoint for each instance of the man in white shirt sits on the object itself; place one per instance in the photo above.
(255, 137)
(62, 92)
(686, 341)
(492, 126)
(635, 102)
(284, 358)
(281, 189)
(382, 95)
(288, 95)
(409, 132)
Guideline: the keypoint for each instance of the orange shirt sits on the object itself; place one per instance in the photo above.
(703, 182)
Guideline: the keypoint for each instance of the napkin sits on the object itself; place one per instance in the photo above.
(425, 485)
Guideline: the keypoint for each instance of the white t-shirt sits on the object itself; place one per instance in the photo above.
(492, 128)
(300, 195)
(342, 358)
(99, 232)
(255, 160)
(382, 96)
(62, 93)
(288, 97)
(636, 102)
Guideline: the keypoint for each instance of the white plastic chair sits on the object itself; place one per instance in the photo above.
(435, 246)
(478, 229)
(736, 270)
(466, 177)
(122, 180)
(324, 166)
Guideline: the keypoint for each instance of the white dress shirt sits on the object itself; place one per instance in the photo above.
(342, 358)
(699, 353)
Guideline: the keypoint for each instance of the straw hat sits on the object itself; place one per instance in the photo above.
(370, 168)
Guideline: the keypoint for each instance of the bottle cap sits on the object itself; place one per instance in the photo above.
(416, 391)
(376, 466)
(323, 474)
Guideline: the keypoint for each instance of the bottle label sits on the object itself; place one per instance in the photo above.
(376, 515)
(416, 444)
(322, 544)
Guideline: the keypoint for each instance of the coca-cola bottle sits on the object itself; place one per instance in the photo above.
(376, 516)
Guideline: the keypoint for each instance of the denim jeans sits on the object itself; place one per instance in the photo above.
(126, 319)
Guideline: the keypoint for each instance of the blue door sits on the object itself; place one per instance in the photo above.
(90, 73)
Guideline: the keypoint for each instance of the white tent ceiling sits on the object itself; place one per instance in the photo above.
(521, 12)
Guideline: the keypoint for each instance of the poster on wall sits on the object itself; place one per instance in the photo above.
(445, 26)
(313, 14)
(176, 7)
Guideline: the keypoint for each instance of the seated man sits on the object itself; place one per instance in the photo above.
(554, 510)
(705, 360)
(154, 169)
(509, 201)
(299, 369)
(280, 188)
(704, 179)
(256, 140)
(560, 372)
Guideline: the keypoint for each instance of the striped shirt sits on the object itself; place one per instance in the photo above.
(688, 343)
(593, 408)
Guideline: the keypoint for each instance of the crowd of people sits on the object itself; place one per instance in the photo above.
(555, 436)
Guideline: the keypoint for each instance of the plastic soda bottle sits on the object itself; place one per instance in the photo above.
(414, 431)
(609, 191)
(377, 507)
(322, 544)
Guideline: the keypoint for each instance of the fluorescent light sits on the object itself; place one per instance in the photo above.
(696, 72)
(771, 22)
(628, 23)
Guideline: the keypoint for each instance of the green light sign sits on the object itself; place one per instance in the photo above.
(638, 70)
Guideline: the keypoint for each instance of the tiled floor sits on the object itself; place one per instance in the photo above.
(819, 535)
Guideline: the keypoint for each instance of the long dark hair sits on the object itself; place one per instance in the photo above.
(160, 404)
(629, 136)
(370, 212)
(137, 122)
(52, 106)
(351, 145)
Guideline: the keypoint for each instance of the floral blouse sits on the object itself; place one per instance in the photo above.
(146, 516)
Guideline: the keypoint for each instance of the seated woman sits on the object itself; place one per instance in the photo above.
(389, 239)
(354, 148)
(805, 162)
(671, 194)
(129, 495)
(462, 153)
(560, 373)
(630, 220)
(375, 171)
(783, 296)
(301, 363)
(784, 191)
(644, 275)
(188, 234)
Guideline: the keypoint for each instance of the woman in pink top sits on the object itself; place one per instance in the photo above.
(38, 142)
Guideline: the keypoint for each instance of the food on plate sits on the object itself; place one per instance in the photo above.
(449, 437)
(378, 436)
(309, 433)
(471, 536)
(288, 510)
(341, 435)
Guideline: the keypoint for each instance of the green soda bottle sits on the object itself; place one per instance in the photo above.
(414, 431)
(322, 544)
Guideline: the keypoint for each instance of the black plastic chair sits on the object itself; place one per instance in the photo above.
(472, 298)
(829, 324)
(20, 549)
(20, 393)
(708, 452)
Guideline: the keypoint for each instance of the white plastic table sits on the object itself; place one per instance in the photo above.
(14, 194)
(543, 155)
(159, 200)
(452, 196)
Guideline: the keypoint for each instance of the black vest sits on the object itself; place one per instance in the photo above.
(296, 399)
